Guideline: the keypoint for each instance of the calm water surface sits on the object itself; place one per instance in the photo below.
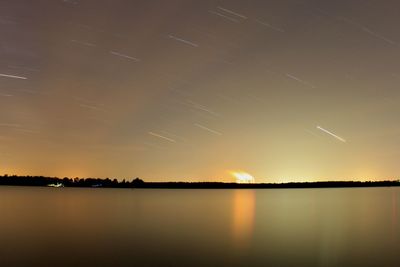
(148, 227)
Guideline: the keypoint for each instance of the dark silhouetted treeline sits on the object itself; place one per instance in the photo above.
(138, 183)
(217, 185)
(67, 182)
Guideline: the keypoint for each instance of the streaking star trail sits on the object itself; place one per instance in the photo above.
(118, 54)
(331, 134)
(232, 12)
(12, 76)
(207, 129)
(183, 41)
(162, 137)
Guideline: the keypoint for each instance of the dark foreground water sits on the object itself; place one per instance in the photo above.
(69, 227)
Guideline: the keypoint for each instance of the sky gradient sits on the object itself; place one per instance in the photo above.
(192, 90)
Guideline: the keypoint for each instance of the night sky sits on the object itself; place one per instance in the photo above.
(190, 90)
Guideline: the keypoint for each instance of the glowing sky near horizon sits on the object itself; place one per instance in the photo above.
(188, 90)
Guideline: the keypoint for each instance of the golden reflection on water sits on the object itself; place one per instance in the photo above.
(243, 216)
(394, 212)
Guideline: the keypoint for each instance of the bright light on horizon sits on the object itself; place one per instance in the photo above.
(243, 177)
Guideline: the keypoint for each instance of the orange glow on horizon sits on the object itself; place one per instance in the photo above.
(242, 177)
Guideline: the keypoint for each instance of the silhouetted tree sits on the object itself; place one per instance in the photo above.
(137, 182)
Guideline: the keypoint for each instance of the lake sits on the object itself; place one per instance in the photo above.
(75, 227)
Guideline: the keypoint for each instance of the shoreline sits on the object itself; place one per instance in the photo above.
(41, 181)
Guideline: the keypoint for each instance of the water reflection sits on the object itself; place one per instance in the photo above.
(243, 216)
(394, 212)
(213, 228)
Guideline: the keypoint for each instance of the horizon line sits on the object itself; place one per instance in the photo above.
(204, 181)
